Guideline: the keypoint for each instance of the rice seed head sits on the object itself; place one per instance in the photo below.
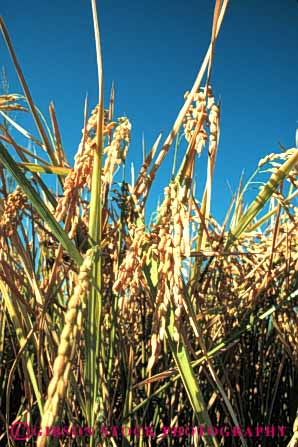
(11, 211)
(58, 384)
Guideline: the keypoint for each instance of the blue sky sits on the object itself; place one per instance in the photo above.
(153, 50)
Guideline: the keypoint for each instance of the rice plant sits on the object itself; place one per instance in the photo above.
(116, 331)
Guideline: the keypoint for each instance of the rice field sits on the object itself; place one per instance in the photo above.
(119, 332)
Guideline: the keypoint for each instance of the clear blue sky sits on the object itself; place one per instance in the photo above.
(153, 50)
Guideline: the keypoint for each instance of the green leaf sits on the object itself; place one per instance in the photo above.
(266, 192)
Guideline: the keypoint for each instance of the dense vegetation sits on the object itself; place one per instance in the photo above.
(108, 321)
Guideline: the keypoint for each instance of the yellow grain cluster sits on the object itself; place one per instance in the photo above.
(173, 244)
(80, 176)
(117, 150)
(277, 156)
(7, 104)
(62, 364)
(11, 209)
(130, 272)
(275, 160)
(214, 126)
(203, 113)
